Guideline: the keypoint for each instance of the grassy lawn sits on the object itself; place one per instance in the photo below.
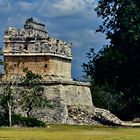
(64, 132)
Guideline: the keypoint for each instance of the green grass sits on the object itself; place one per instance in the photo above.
(65, 132)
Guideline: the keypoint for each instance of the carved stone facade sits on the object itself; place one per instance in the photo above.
(33, 48)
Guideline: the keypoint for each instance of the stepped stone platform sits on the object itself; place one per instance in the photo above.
(72, 104)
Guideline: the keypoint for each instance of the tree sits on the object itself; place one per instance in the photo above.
(32, 95)
(1, 63)
(24, 92)
(117, 64)
(5, 103)
(8, 99)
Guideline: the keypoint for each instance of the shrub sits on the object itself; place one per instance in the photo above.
(3, 119)
(27, 121)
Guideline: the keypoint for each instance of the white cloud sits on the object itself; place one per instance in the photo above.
(84, 39)
(83, 36)
(67, 7)
(15, 20)
(76, 5)
(26, 6)
(5, 6)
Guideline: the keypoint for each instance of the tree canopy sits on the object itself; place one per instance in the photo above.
(116, 67)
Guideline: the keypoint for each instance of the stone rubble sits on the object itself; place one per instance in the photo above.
(91, 116)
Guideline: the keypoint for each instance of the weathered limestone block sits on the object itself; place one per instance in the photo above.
(63, 94)
(76, 95)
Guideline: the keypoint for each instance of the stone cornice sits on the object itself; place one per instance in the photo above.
(36, 54)
(57, 82)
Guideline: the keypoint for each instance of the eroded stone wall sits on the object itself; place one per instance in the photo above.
(62, 95)
(43, 65)
(72, 104)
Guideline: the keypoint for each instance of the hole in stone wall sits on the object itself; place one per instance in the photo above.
(25, 48)
(46, 65)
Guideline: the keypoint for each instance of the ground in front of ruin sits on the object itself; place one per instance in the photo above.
(67, 132)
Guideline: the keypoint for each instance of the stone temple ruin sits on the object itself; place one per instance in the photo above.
(33, 48)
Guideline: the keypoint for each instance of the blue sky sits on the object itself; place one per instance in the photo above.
(70, 20)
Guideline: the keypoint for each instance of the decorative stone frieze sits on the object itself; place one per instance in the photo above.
(34, 39)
